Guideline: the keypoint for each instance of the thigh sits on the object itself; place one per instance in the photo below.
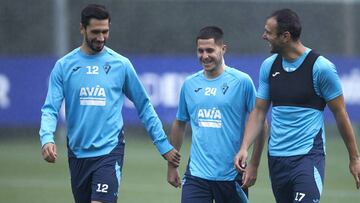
(106, 179)
(228, 192)
(196, 190)
(279, 171)
(308, 178)
(81, 175)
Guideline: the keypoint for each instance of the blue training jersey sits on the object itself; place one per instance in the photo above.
(217, 110)
(293, 129)
(94, 87)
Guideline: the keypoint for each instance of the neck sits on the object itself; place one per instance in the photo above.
(292, 52)
(215, 72)
(87, 50)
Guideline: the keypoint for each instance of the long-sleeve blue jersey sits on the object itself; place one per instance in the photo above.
(94, 88)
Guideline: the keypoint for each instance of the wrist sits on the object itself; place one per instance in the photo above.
(355, 158)
(255, 163)
(171, 165)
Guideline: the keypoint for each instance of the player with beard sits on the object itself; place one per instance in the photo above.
(94, 80)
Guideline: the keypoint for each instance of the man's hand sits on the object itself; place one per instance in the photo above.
(173, 177)
(355, 170)
(249, 176)
(48, 152)
(240, 160)
(173, 157)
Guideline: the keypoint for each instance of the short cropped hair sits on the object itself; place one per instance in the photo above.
(287, 20)
(211, 32)
(96, 11)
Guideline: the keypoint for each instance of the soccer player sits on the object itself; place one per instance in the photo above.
(93, 80)
(216, 102)
(299, 83)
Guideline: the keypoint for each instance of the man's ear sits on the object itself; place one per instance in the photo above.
(224, 48)
(82, 29)
(286, 36)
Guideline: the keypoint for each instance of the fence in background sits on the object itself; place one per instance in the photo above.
(170, 26)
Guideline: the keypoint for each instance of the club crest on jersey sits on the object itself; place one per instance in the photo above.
(92, 96)
(107, 68)
(224, 88)
(210, 118)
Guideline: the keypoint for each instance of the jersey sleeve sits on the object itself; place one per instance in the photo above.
(264, 88)
(51, 107)
(326, 79)
(250, 94)
(182, 112)
(135, 91)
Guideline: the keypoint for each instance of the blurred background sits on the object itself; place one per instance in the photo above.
(158, 36)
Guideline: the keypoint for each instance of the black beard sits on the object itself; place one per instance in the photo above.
(92, 47)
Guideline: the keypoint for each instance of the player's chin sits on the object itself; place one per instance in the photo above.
(98, 46)
(208, 66)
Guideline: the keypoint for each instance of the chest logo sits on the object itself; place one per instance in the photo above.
(224, 88)
(92, 96)
(107, 68)
(210, 118)
(197, 90)
(275, 74)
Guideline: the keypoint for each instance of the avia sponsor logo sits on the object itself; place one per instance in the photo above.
(350, 84)
(210, 118)
(92, 96)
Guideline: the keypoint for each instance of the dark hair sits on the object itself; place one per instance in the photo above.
(287, 20)
(96, 11)
(211, 32)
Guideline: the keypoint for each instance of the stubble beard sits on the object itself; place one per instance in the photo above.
(93, 47)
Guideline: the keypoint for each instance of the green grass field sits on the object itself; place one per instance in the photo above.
(26, 178)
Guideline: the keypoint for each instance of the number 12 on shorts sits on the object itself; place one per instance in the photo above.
(102, 188)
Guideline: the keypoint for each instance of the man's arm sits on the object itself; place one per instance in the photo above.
(176, 139)
(250, 174)
(337, 107)
(254, 128)
(135, 91)
(49, 116)
(177, 134)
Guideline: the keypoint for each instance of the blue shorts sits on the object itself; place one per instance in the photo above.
(297, 178)
(200, 190)
(97, 178)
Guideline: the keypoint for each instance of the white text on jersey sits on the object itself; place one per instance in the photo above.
(210, 118)
(92, 96)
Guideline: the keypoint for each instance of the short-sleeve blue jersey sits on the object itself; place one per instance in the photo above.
(293, 129)
(217, 110)
(94, 87)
